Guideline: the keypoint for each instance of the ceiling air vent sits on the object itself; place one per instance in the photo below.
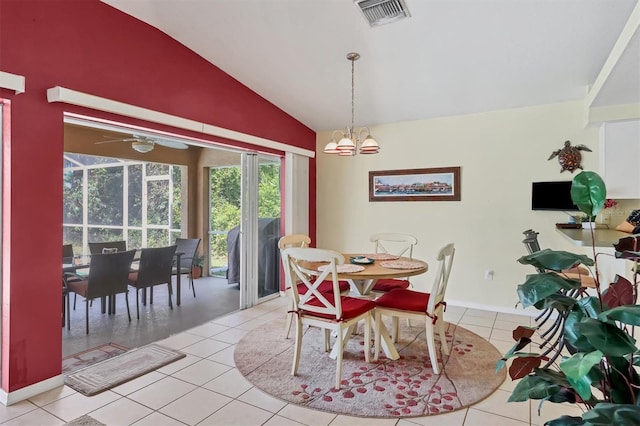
(380, 12)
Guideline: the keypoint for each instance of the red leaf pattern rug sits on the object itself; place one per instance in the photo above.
(406, 387)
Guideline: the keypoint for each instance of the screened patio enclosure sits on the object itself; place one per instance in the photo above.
(107, 199)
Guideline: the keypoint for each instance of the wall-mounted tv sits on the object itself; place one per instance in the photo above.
(552, 196)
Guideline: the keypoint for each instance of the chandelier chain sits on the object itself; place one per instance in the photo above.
(353, 79)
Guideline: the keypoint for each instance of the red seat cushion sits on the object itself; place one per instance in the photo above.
(133, 277)
(325, 287)
(405, 300)
(388, 284)
(351, 307)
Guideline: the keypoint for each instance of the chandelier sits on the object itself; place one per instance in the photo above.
(350, 141)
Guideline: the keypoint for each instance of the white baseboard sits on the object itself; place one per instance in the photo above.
(31, 390)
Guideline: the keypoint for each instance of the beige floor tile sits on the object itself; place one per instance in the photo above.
(201, 372)
(224, 356)
(519, 319)
(497, 404)
(255, 323)
(137, 384)
(76, 405)
(342, 420)
(232, 335)
(504, 335)
(157, 419)
(233, 320)
(480, 321)
(205, 348)
(231, 383)
(455, 418)
(550, 411)
(52, 395)
(238, 413)
(179, 364)
(162, 392)
(482, 418)
(37, 417)
(15, 410)
(306, 415)
(180, 340)
(281, 421)
(256, 397)
(121, 412)
(195, 406)
(208, 329)
(480, 313)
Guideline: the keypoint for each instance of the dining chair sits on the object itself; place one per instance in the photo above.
(98, 247)
(155, 269)
(188, 247)
(108, 277)
(331, 312)
(67, 258)
(302, 240)
(428, 307)
(398, 245)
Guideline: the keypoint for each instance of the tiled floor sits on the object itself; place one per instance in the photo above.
(206, 389)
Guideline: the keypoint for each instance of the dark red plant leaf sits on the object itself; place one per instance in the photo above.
(628, 247)
(619, 293)
(522, 366)
(522, 331)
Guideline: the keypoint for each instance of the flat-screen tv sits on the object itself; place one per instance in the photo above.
(552, 196)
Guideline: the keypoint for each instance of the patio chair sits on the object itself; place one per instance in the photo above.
(155, 269)
(427, 307)
(98, 247)
(108, 276)
(332, 312)
(397, 245)
(188, 247)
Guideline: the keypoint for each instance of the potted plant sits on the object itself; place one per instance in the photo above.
(196, 267)
(601, 371)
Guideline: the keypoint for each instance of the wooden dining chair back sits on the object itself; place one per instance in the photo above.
(155, 268)
(108, 276)
(331, 312)
(188, 247)
(99, 247)
(428, 307)
(395, 244)
(291, 240)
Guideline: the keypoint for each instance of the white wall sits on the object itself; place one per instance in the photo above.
(500, 154)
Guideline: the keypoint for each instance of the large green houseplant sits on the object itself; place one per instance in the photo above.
(601, 373)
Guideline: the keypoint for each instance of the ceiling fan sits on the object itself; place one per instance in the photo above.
(144, 144)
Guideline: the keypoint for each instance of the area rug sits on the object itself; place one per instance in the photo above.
(91, 356)
(85, 420)
(406, 387)
(114, 371)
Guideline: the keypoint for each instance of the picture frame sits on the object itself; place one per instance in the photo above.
(430, 184)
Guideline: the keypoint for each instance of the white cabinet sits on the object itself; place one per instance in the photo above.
(620, 158)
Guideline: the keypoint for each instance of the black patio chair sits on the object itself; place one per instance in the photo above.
(155, 269)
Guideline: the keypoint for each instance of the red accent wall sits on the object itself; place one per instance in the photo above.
(88, 46)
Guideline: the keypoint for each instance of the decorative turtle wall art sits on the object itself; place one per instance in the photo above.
(569, 157)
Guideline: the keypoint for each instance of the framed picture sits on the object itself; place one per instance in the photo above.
(435, 184)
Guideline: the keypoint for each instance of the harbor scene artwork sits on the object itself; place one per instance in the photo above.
(432, 184)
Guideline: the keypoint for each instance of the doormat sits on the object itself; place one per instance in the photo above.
(85, 420)
(91, 356)
(115, 371)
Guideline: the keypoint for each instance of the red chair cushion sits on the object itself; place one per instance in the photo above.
(133, 277)
(388, 284)
(325, 287)
(351, 307)
(404, 300)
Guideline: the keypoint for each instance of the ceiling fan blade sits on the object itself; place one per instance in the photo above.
(117, 140)
(171, 144)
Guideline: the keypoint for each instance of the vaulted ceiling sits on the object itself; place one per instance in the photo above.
(450, 57)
